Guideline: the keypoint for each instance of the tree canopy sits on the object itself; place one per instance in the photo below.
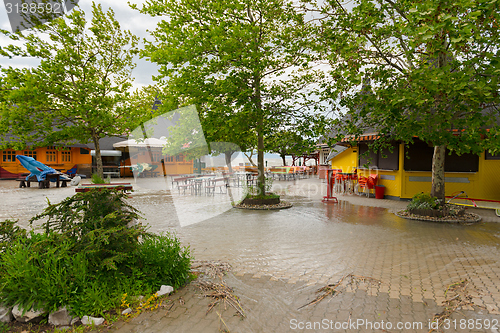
(80, 90)
(430, 70)
(288, 142)
(246, 62)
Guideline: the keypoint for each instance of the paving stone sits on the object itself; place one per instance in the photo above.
(416, 263)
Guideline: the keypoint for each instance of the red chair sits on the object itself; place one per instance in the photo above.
(366, 184)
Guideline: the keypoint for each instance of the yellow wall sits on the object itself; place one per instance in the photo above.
(346, 160)
(484, 184)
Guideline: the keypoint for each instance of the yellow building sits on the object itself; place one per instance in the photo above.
(404, 176)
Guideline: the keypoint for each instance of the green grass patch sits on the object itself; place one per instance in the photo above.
(87, 256)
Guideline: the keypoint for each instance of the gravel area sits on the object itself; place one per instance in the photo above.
(466, 218)
(281, 205)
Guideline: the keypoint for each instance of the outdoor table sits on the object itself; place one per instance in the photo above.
(240, 176)
(283, 173)
(250, 176)
(199, 182)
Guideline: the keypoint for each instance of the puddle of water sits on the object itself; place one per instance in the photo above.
(309, 238)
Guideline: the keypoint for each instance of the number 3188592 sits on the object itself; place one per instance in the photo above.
(34, 8)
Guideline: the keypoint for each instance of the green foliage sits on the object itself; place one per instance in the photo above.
(97, 222)
(80, 90)
(289, 142)
(424, 201)
(163, 260)
(255, 193)
(407, 69)
(245, 64)
(88, 257)
(40, 271)
(97, 179)
(9, 232)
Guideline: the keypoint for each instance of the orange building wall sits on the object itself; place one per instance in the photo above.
(172, 166)
(11, 168)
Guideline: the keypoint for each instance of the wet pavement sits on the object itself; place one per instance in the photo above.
(280, 258)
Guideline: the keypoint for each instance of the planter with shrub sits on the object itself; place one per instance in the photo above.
(425, 207)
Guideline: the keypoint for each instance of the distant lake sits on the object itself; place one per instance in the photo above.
(240, 159)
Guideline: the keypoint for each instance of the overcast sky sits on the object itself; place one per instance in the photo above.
(129, 19)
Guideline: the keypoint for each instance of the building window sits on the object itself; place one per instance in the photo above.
(418, 157)
(30, 153)
(384, 159)
(324, 156)
(9, 156)
(66, 156)
(169, 159)
(156, 157)
(489, 156)
(51, 155)
(179, 158)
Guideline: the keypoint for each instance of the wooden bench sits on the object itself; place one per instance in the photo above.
(23, 182)
(125, 187)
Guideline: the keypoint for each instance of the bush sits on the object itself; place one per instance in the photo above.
(424, 201)
(40, 271)
(254, 192)
(96, 179)
(9, 232)
(98, 223)
(163, 260)
(87, 257)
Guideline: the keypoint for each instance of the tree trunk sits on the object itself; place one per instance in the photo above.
(261, 181)
(250, 158)
(228, 155)
(98, 157)
(284, 160)
(437, 189)
(260, 160)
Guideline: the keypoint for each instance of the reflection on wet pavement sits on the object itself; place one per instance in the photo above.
(314, 243)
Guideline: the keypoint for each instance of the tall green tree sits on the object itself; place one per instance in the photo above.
(245, 59)
(81, 89)
(431, 70)
(289, 142)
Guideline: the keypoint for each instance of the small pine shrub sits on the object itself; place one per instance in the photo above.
(97, 222)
